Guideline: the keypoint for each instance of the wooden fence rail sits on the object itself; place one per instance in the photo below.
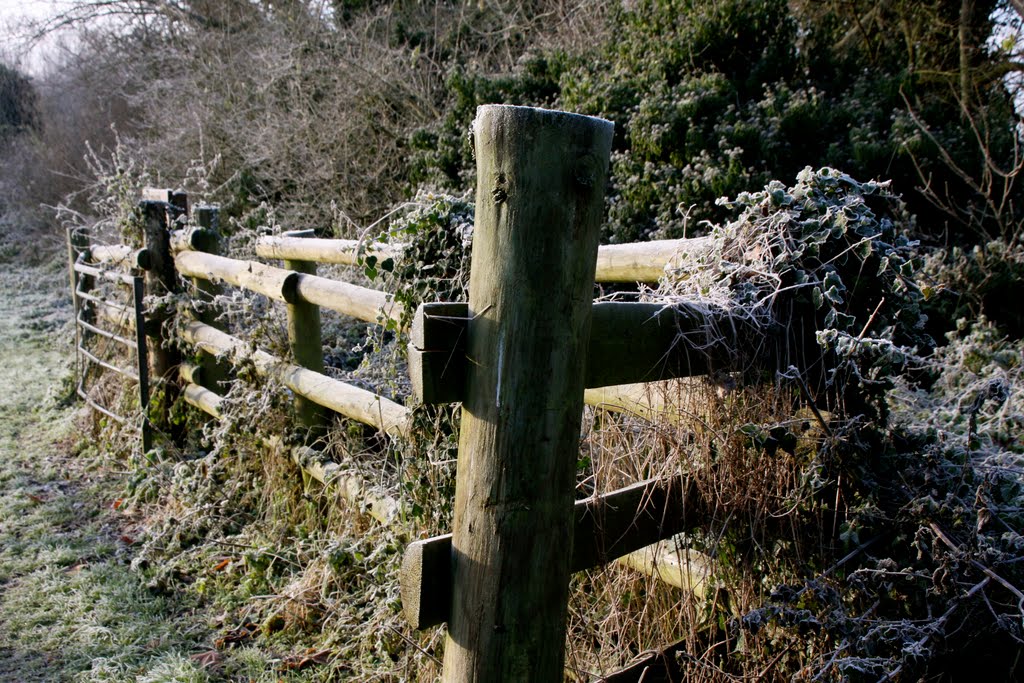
(628, 343)
(522, 356)
(345, 399)
(605, 528)
(634, 262)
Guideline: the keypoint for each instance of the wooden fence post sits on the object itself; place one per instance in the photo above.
(304, 338)
(540, 188)
(161, 279)
(78, 242)
(207, 217)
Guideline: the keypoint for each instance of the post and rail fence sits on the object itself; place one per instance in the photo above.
(523, 356)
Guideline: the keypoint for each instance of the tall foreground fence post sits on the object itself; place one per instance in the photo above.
(540, 187)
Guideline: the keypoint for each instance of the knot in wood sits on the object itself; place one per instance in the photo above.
(587, 171)
(499, 192)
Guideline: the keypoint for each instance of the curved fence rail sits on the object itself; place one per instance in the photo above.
(92, 311)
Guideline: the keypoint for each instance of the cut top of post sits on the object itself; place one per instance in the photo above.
(552, 116)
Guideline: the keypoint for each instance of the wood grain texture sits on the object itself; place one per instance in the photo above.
(539, 201)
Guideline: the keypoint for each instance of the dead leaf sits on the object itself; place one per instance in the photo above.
(207, 659)
(300, 662)
(237, 635)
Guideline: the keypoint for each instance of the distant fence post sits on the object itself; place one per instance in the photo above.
(304, 338)
(78, 243)
(540, 188)
(207, 216)
(161, 279)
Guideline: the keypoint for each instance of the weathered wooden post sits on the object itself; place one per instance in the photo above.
(207, 217)
(540, 187)
(304, 338)
(160, 280)
(78, 243)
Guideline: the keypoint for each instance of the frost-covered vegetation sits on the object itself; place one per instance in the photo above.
(862, 466)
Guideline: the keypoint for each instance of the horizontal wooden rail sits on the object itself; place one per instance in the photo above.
(673, 563)
(345, 399)
(290, 286)
(646, 261)
(643, 400)
(190, 373)
(193, 239)
(275, 283)
(115, 314)
(204, 399)
(352, 488)
(121, 255)
(318, 250)
(629, 343)
(361, 303)
(634, 262)
(606, 527)
(103, 364)
(111, 275)
(130, 343)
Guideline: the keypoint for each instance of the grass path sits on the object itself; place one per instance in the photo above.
(71, 609)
